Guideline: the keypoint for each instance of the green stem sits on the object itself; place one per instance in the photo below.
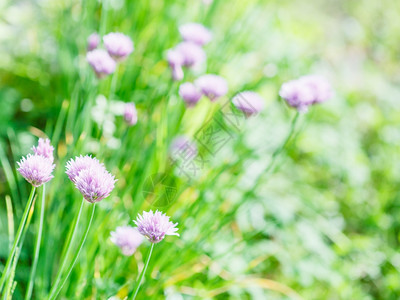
(28, 206)
(139, 282)
(69, 247)
(75, 258)
(37, 246)
(284, 144)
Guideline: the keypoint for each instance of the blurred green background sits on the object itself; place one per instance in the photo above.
(325, 224)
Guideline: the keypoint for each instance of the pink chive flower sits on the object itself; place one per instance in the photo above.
(189, 93)
(175, 61)
(181, 147)
(248, 102)
(127, 238)
(93, 180)
(321, 89)
(93, 41)
(118, 45)
(155, 226)
(75, 166)
(193, 55)
(212, 86)
(305, 91)
(130, 114)
(195, 33)
(44, 149)
(101, 62)
(36, 169)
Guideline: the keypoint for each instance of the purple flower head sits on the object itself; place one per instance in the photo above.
(189, 93)
(155, 226)
(248, 102)
(305, 91)
(36, 169)
(118, 45)
(181, 146)
(196, 33)
(44, 149)
(175, 61)
(75, 166)
(175, 58)
(321, 89)
(193, 55)
(94, 183)
(101, 62)
(212, 86)
(130, 114)
(93, 41)
(127, 238)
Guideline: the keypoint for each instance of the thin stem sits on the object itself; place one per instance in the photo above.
(75, 258)
(69, 247)
(31, 282)
(139, 282)
(284, 144)
(28, 206)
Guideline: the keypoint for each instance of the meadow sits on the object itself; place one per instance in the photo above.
(278, 174)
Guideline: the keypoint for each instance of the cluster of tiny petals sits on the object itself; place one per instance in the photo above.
(118, 45)
(306, 91)
(93, 41)
(127, 238)
(249, 102)
(130, 114)
(155, 226)
(44, 148)
(101, 62)
(75, 166)
(212, 86)
(189, 93)
(90, 177)
(36, 169)
(95, 183)
(196, 33)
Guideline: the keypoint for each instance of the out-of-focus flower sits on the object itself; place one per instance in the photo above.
(93, 41)
(91, 178)
(130, 114)
(189, 93)
(305, 91)
(175, 61)
(118, 45)
(155, 226)
(44, 149)
(181, 146)
(248, 102)
(193, 55)
(127, 238)
(196, 33)
(36, 169)
(321, 89)
(101, 62)
(212, 86)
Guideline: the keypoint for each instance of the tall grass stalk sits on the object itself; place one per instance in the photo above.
(21, 227)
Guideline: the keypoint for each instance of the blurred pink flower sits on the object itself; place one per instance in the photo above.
(195, 33)
(101, 62)
(189, 93)
(212, 86)
(118, 45)
(93, 41)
